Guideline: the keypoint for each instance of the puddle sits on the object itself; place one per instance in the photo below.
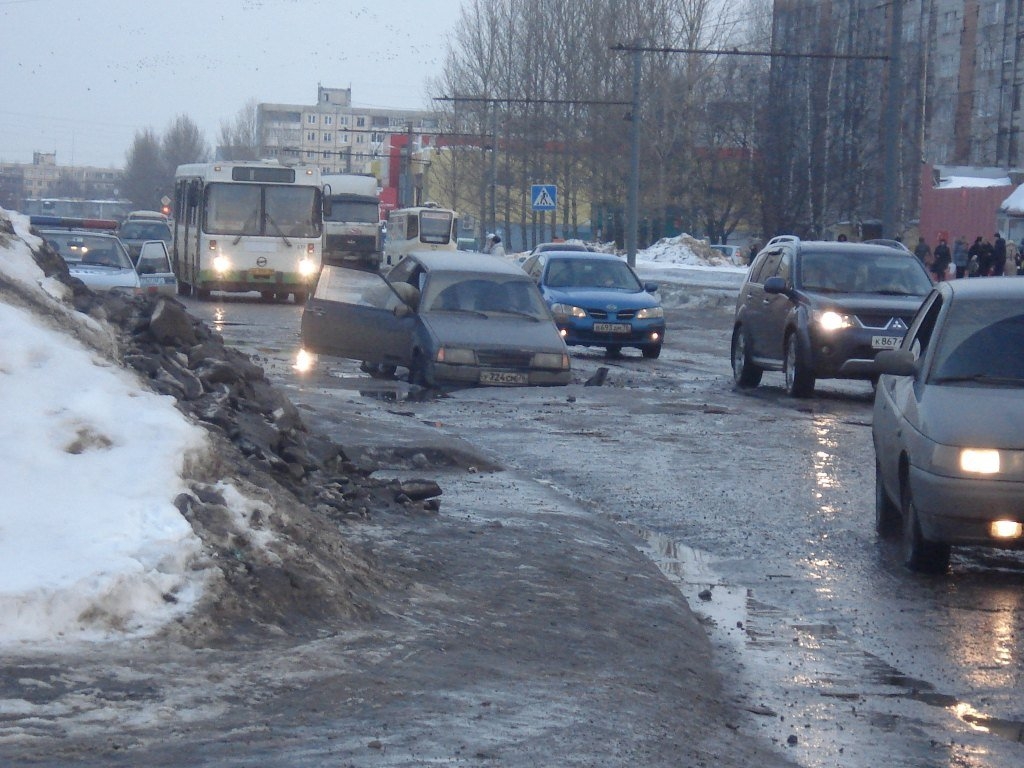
(832, 667)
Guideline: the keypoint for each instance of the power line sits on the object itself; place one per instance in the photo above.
(736, 52)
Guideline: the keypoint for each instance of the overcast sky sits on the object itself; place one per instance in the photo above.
(80, 77)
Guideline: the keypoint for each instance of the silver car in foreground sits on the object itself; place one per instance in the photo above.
(92, 252)
(947, 427)
(449, 317)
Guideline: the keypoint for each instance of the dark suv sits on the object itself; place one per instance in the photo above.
(820, 310)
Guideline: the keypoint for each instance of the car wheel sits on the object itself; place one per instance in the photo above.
(300, 297)
(418, 370)
(651, 352)
(799, 377)
(614, 350)
(266, 296)
(744, 372)
(919, 554)
(184, 289)
(887, 515)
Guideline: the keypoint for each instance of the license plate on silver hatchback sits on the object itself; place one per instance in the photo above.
(885, 342)
(503, 377)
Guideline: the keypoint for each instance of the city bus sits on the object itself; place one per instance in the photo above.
(247, 226)
(424, 228)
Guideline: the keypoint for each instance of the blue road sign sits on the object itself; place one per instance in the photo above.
(544, 197)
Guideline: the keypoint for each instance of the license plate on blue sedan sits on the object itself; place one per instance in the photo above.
(612, 328)
(503, 377)
(886, 342)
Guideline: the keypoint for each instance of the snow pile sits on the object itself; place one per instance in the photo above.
(683, 250)
(91, 544)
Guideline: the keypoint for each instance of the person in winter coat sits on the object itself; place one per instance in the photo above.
(940, 261)
(923, 252)
(960, 256)
(998, 255)
(493, 246)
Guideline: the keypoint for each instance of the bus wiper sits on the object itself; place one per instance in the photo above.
(280, 232)
(251, 218)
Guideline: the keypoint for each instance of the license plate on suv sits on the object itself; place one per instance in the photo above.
(612, 328)
(886, 342)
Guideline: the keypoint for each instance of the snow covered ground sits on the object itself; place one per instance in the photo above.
(91, 545)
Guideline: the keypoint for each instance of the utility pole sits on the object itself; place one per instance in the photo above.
(633, 196)
(891, 122)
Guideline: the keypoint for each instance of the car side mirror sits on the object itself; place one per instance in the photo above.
(775, 284)
(651, 287)
(896, 362)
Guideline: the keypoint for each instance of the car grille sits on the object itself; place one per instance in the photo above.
(341, 243)
(882, 321)
(504, 358)
(600, 314)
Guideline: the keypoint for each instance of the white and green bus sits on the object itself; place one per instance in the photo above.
(426, 227)
(247, 226)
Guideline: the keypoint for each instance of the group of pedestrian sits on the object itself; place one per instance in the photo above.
(983, 258)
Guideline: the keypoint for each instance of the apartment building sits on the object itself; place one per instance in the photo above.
(957, 82)
(44, 178)
(335, 135)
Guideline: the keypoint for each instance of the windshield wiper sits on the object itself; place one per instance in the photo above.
(245, 225)
(280, 232)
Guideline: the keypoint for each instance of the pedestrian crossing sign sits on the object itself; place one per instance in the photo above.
(544, 197)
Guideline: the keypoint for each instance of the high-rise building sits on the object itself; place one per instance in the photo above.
(334, 135)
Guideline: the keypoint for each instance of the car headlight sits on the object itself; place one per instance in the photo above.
(305, 361)
(221, 263)
(830, 320)
(563, 311)
(649, 313)
(550, 360)
(456, 356)
(982, 461)
(307, 268)
(954, 460)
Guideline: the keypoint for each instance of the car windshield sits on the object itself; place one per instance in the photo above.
(89, 250)
(489, 294)
(895, 274)
(145, 230)
(979, 343)
(591, 273)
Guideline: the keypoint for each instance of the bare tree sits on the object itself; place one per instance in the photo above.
(239, 139)
(145, 176)
(183, 142)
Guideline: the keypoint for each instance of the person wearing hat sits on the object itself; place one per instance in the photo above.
(494, 246)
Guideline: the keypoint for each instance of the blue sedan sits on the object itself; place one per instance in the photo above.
(598, 301)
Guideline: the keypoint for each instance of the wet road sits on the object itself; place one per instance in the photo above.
(760, 508)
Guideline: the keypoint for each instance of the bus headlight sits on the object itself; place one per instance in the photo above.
(221, 263)
(307, 268)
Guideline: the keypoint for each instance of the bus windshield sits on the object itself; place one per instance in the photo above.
(257, 209)
(436, 227)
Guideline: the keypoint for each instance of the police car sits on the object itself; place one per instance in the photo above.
(92, 251)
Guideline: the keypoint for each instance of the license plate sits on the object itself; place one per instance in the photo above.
(612, 328)
(261, 273)
(503, 377)
(886, 342)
